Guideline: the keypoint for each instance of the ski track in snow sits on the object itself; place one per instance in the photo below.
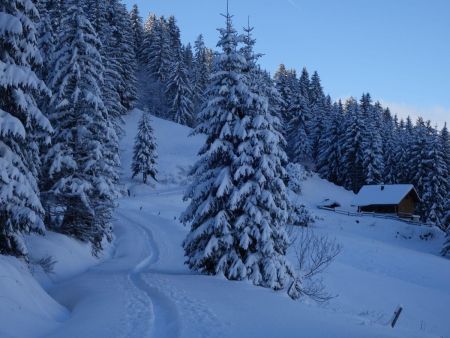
(166, 322)
(176, 313)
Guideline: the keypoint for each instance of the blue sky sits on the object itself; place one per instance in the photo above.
(398, 50)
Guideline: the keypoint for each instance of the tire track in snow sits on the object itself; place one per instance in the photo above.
(166, 321)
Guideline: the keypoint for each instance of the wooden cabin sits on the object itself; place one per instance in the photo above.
(400, 199)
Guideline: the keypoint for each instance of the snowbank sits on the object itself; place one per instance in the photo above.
(26, 309)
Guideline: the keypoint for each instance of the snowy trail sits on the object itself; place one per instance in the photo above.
(166, 321)
(113, 299)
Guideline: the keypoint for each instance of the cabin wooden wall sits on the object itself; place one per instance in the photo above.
(407, 205)
(381, 209)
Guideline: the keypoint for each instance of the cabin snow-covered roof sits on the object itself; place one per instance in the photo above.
(383, 194)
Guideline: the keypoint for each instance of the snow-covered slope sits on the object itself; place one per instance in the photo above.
(383, 263)
(26, 310)
(144, 290)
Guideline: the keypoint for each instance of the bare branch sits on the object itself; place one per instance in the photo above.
(314, 255)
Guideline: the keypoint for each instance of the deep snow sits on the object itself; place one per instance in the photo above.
(141, 288)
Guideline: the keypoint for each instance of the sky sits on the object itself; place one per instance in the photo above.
(397, 50)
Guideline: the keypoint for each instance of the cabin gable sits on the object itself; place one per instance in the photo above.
(408, 204)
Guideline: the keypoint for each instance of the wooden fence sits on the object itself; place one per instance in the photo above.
(372, 214)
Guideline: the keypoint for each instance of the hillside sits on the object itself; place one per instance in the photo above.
(141, 288)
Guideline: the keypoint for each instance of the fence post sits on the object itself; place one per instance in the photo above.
(396, 315)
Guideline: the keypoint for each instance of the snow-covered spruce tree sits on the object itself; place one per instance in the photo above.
(22, 125)
(436, 181)
(145, 154)
(156, 65)
(173, 31)
(304, 85)
(149, 36)
(445, 141)
(188, 59)
(126, 56)
(390, 158)
(137, 27)
(286, 87)
(82, 163)
(238, 202)
(352, 148)
(102, 18)
(373, 162)
(113, 27)
(329, 160)
(46, 38)
(319, 114)
(202, 72)
(405, 173)
(179, 89)
(274, 97)
(159, 57)
(299, 147)
(430, 173)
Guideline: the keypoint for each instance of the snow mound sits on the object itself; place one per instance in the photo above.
(71, 256)
(30, 310)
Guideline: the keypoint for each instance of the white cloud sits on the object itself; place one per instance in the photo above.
(437, 114)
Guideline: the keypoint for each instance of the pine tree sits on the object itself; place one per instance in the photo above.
(406, 136)
(148, 38)
(127, 57)
(319, 114)
(436, 182)
(373, 162)
(102, 16)
(285, 83)
(445, 142)
(137, 27)
(389, 132)
(54, 9)
(188, 59)
(238, 200)
(145, 155)
(202, 72)
(82, 163)
(299, 147)
(22, 126)
(352, 148)
(274, 97)
(329, 160)
(179, 88)
(159, 57)
(175, 48)
(46, 38)
(430, 173)
(304, 85)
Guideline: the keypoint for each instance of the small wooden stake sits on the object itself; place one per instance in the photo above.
(396, 315)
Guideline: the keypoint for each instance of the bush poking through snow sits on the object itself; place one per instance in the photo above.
(47, 264)
(314, 255)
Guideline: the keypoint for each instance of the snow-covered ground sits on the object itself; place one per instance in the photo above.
(141, 288)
